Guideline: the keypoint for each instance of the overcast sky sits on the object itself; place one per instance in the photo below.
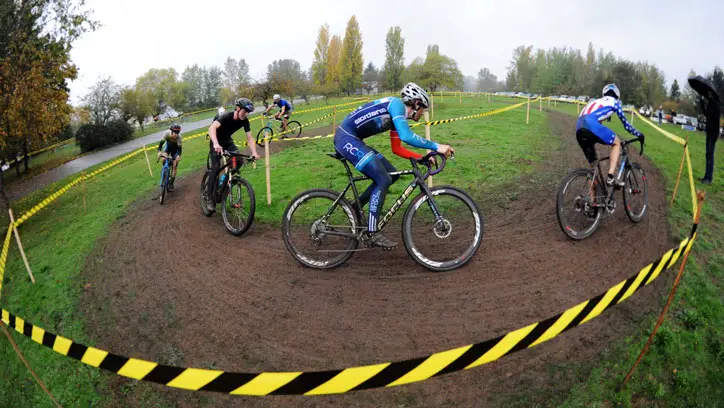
(137, 35)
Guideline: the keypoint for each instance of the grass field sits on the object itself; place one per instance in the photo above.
(683, 367)
(58, 239)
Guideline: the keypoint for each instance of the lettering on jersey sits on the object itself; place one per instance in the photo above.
(354, 151)
(370, 115)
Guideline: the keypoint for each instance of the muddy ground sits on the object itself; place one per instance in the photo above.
(193, 295)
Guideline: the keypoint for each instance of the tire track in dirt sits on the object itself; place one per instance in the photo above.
(193, 295)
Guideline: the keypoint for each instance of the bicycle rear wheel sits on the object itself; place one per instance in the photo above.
(238, 207)
(577, 214)
(446, 242)
(294, 129)
(317, 233)
(635, 193)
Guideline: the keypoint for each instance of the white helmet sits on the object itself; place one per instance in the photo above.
(412, 92)
(611, 87)
(276, 97)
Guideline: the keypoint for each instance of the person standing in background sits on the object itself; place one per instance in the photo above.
(710, 104)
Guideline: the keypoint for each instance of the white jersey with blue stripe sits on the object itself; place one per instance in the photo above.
(380, 116)
(602, 109)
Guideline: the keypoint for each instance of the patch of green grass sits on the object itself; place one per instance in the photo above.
(683, 366)
(59, 238)
(43, 162)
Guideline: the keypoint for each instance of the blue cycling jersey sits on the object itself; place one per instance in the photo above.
(283, 103)
(380, 116)
(602, 109)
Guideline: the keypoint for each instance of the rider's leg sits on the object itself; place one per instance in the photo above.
(211, 186)
(613, 162)
(586, 140)
(364, 198)
(175, 167)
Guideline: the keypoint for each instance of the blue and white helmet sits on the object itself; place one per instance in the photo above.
(412, 92)
(611, 88)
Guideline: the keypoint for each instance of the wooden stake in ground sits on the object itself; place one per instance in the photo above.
(20, 245)
(432, 105)
(427, 136)
(460, 95)
(527, 115)
(147, 162)
(632, 115)
(681, 168)
(268, 166)
(22, 358)
(441, 98)
(540, 104)
(700, 198)
(488, 98)
(334, 119)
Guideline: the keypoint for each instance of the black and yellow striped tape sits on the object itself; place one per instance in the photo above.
(355, 378)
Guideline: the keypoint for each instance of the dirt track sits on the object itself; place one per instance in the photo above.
(193, 295)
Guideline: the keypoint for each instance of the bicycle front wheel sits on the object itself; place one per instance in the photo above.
(635, 193)
(239, 206)
(578, 215)
(294, 129)
(164, 184)
(319, 233)
(446, 240)
(260, 136)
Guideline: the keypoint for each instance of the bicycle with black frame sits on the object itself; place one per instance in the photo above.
(233, 192)
(583, 196)
(442, 228)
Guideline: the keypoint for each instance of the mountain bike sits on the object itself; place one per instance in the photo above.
(294, 129)
(165, 174)
(583, 196)
(442, 228)
(234, 191)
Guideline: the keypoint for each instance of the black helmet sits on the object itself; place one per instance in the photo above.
(175, 127)
(245, 104)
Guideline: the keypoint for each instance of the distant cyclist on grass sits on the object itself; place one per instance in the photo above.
(285, 110)
(377, 117)
(590, 131)
(171, 145)
(220, 133)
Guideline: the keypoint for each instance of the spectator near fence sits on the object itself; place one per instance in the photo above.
(710, 104)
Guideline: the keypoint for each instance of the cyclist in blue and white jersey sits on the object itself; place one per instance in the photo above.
(373, 118)
(285, 110)
(590, 131)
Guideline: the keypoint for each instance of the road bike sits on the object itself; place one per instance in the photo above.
(442, 228)
(583, 196)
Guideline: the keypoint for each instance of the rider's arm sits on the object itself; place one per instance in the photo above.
(626, 125)
(160, 145)
(397, 111)
(178, 142)
(212, 132)
(400, 150)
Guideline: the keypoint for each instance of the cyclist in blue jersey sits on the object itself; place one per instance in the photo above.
(285, 110)
(171, 145)
(373, 118)
(590, 131)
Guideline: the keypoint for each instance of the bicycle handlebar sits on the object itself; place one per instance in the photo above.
(425, 160)
(237, 154)
(637, 139)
